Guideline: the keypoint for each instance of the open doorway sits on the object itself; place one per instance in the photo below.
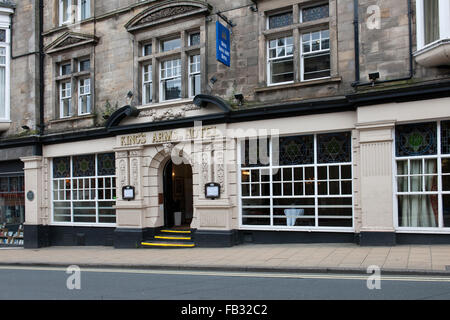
(178, 196)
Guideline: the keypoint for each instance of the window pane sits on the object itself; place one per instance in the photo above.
(282, 70)
(255, 152)
(2, 35)
(85, 65)
(418, 210)
(446, 207)
(416, 139)
(147, 49)
(172, 89)
(106, 164)
(65, 69)
(85, 104)
(295, 150)
(84, 166)
(172, 44)
(316, 66)
(194, 39)
(195, 85)
(445, 137)
(280, 20)
(315, 13)
(334, 147)
(85, 9)
(431, 23)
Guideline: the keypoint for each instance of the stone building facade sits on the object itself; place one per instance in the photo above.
(329, 124)
(19, 109)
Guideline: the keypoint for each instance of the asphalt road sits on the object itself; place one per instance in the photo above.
(31, 283)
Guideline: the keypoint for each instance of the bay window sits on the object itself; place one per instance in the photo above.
(306, 182)
(5, 70)
(84, 189)
(433, 21)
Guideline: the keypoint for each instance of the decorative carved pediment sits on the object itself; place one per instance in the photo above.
(167, 11)
(69, 40)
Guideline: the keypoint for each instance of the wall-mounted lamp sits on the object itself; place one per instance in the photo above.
(213, 80)
(239, 97)
(130, 94)
(373, 77)
(27, 128)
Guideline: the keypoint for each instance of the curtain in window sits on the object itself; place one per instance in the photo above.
(431, 16)
(2, 93)
(418, 210)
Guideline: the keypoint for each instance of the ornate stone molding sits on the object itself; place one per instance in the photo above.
(167, 11)
(169, 114)
(69, 40)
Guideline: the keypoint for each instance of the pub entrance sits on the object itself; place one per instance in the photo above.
(178, 196)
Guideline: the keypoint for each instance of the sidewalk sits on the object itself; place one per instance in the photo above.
(348, 258)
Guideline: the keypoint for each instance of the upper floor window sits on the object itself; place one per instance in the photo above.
(74, 88)
(298, 45)
(280, 20)
(169, 45)
(314, 13)
(433, 21)
(170, 80)
(4, 75)
(281, 60)
(315, 55)
(71, 10)
(170, 69)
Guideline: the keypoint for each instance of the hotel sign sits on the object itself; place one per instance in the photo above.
(223, 51)
(168, 136)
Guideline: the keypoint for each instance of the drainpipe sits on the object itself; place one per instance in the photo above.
(356, 31)
(38, 150)
(357, 82)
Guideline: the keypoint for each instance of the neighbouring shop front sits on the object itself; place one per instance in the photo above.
(12, 203)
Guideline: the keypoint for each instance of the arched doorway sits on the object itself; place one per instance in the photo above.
(178, 195)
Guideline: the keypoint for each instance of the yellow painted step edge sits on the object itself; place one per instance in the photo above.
(173, 238)
(174, 231)
(167, 244)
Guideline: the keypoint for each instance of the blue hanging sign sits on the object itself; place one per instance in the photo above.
(223, 51)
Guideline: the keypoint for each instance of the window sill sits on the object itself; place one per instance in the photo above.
(73, 118)
(299, 84)
(4, 125)
(435, 54)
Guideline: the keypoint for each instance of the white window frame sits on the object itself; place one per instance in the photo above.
(86, 93)
(147, 69)
(269, 60)
(316, 195)
(72, 200)
(439, 193)
(65, 94)
(7, 65)
(69, 19)
(444, 23)
(194, 73)
(166, 78)
(312, 53)
(80, 6)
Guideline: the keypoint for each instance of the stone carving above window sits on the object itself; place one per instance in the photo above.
(167, 11)
(69, 40)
